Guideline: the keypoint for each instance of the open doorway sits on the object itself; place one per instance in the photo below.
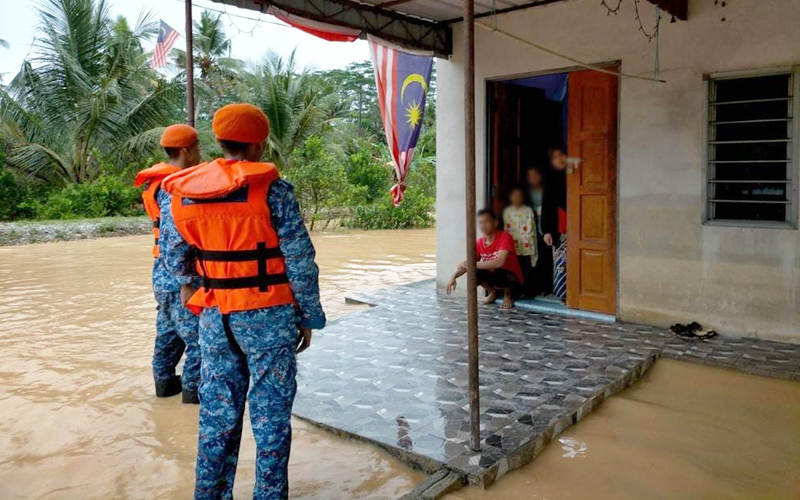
(531, 120)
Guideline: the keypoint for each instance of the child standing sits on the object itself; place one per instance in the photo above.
(520, 222)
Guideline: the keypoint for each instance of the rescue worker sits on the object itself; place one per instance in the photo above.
(176, 326)
(238, 226)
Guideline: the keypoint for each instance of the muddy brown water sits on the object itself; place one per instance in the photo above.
(78, 419)
(77, 414)
(683, 432)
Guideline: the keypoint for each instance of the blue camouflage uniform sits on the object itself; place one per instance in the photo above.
(176, 326)
(254, 348)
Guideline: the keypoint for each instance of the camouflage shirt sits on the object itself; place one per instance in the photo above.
(163, 280)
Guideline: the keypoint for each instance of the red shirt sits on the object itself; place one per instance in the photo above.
(502, 241)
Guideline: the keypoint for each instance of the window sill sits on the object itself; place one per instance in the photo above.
(751, 224)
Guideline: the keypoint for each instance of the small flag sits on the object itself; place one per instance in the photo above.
(402, 79)
(166, 39)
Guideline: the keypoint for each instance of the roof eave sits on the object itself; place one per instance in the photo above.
(387, 24)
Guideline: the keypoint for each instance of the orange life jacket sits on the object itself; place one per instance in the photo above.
(151, 178)
(221, 210)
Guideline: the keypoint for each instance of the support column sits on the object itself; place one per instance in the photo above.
(469, 176)
(189, 66)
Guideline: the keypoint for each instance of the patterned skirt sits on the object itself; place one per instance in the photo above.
(560, 268)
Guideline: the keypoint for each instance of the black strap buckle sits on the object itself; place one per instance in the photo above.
(261, 254)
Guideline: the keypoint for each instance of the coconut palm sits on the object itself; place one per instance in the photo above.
(86, 93)
(217, 72)
(297, 103)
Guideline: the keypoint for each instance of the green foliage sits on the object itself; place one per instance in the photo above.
(103, 197)
(298, 104)
(422, 178)
(86, 111)
(370, 172)
(320, 182)
(415, 211)
(89, 88)
(14, 197)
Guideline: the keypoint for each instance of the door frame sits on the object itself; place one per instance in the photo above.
(488, 150)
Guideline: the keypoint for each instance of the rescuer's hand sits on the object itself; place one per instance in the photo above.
(548, 239)
(303, 339)
(186, 293)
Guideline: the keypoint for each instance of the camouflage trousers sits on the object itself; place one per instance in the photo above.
(255, 351)
(176, 334)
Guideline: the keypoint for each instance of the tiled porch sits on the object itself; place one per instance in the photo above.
(396, 375)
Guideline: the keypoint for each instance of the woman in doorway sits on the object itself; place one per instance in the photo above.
(541, 282)
(554, 218)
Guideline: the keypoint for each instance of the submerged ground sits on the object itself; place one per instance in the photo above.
(683, 431)
(78, 416)
(78, 419)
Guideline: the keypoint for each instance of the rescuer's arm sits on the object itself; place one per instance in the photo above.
(173, 248)
(297, 249)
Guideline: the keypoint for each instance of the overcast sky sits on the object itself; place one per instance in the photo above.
(18, 19)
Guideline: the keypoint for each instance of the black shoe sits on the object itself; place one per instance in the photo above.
(168, 388)
(190, 398)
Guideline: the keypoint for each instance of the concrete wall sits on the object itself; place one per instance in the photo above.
(672, 267)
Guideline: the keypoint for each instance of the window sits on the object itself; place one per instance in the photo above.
(751, 170)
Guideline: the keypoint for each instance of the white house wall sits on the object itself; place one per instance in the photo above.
(672, 267)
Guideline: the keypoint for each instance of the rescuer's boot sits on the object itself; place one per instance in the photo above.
(169, 387)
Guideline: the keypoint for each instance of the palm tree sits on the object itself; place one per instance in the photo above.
(218, 72)
(88, 91)
(298, 104)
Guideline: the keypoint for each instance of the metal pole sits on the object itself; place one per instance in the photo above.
(469, 166)
(189, 66)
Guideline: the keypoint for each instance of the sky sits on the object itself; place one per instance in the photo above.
(250, 39)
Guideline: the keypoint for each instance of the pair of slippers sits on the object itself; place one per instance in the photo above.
(693, 330)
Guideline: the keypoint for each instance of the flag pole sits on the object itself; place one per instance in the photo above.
(189, 66)
(469, 165)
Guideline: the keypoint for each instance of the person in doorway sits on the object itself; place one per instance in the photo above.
(554, 218)
(519, 221)
(176, 326)
(236, 224)
(542, 280)
(498, 268)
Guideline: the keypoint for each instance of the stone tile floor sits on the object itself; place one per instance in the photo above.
(396, 375)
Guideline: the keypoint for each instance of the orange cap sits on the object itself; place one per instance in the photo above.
(178, 136)
(240, 123)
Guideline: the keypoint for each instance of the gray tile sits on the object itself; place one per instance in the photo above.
(397, 374)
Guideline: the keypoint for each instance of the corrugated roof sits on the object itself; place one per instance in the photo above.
(423, 24)
(450, 10)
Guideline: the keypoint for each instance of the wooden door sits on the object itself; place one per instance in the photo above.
(592, 192)
(520, 121)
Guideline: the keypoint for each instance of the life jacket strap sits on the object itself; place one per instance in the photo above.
(261, 254)
(156, 223)
(247, 282)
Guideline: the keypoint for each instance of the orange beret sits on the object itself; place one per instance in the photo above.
(178, 136)
(240, 123)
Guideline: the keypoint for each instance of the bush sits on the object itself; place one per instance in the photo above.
(320, 183)
(415, 211)
(15, 197)
(106, 196)
(369, 172)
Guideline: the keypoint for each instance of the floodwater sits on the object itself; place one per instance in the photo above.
(683, 432)
(78, 418)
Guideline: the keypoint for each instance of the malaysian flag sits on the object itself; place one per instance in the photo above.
(402, 79)
(166, 39)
